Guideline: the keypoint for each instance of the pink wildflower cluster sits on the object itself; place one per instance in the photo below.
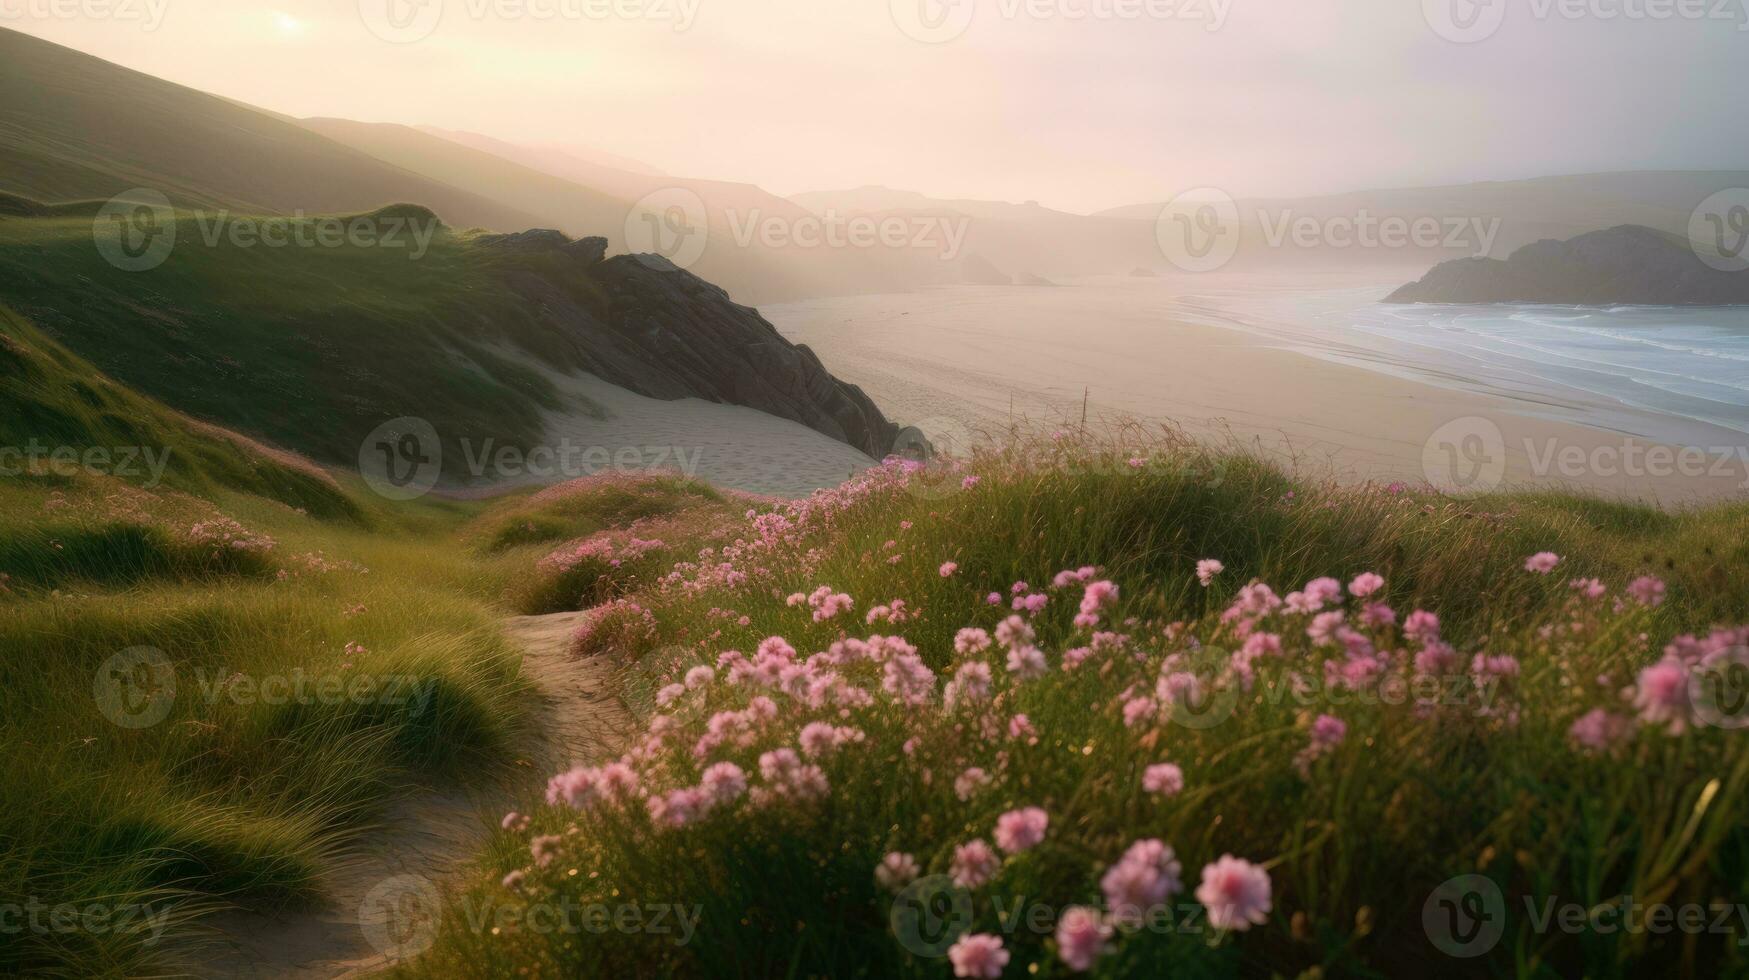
(601, 549)
(620, 624)
(825, 603)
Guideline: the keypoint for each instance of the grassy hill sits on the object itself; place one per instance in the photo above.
(76, 127)
(309, 347)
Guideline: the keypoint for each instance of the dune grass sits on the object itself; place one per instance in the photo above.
(1442, 766)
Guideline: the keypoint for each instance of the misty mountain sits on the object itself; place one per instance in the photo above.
(76, 127)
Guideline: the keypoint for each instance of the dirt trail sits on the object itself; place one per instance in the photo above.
(384, 894)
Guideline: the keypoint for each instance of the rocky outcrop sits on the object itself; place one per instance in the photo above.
(639, 322)
(1628, 264)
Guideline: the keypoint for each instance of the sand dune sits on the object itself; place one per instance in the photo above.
(730, 446)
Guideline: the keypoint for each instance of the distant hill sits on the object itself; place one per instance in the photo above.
(585, 165)
(1527, 210)
(77, 127)
(1019, 239)
(1628, 264)
(591, 199)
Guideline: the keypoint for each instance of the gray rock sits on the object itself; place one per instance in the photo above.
(639, 322)
(1628, 264)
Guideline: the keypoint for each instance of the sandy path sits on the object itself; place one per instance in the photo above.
(384, 893)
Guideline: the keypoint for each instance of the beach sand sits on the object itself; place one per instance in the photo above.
(960, 360)
(728, 446)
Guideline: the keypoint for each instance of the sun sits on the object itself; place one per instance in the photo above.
(287, 25)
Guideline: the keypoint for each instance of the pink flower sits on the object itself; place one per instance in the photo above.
(1328, 731)
(1014, 632)
(896, 870)
(699, 677)
(1141, 881)
(1598, 730)
(1018, 830)
(723, 782)
(1235, 892)
(973, 864)
(971, 640)
(513, 881)
(1027, 662)
(1542, 563)
(1165, 779)
(1647, 591)
(978, 954)
(1082, 937)
(1323, 628)
(1020, 726)
(1590, 588)
(948, 568)
(1097, 596)
(1365, 584)
(1207, 569)
(972, 684)
(544, 849)
(969, 782)
(1661, 695)
(1422, 627)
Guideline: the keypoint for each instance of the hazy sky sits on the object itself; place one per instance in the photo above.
(1082, 104)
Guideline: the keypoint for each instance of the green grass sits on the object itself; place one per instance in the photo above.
(1353, 848)
(238, 795)
(305, 347)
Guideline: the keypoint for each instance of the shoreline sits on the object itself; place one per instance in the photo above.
(955, 359)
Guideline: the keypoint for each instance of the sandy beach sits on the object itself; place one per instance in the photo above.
(965, 359)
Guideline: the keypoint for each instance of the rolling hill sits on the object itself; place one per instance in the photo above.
(76, 127)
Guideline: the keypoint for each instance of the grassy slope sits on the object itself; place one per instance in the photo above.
(303, 347)
(229, 798)
(73, 126)
(1408, 800)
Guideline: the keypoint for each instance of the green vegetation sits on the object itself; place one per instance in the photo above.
(306, 347)
(241, 565)
(1486, 780)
